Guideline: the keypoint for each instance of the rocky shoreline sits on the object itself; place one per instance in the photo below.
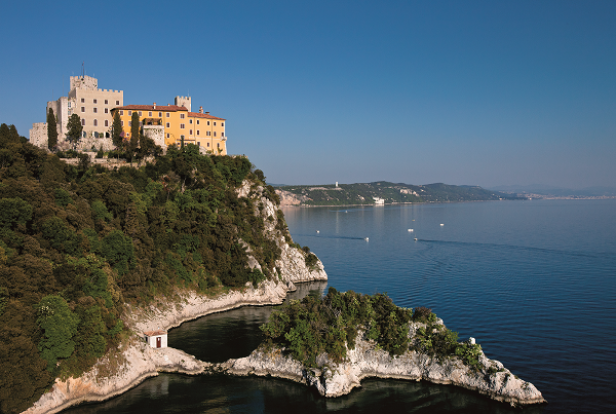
(135, 360)
(365, 361)
(141, 361)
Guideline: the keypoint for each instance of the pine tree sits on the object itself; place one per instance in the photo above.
(134, 134)
(117, 131)
(52, 131)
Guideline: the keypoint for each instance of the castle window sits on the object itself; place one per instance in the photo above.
(83, 109)
(96, 122)
(198, 144)
(83, 100)
(208, 122)
(197, 132)
(106, 110)
(130, 123)
(168, 114)
(222, 124)
(130, 113)
(197, 122)
(160, 114)
(121, 112)
(106, 122)
(95, 110)
(167, 124)
(190, 121)
(94, 101)
(149, 113)
(83, 122)
(122, 123)
(218, 145)
(190, 132)
(168, 135)
(214, 133)
(208, 144)
(181, 116)
(222, 134)
(182, 126)
(69, 104)
(117, 102)
(140, 113)
(214, 123)
(106, 102)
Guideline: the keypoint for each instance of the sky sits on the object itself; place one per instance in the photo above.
(462, 92)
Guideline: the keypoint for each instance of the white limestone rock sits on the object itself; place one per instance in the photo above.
(333, 380)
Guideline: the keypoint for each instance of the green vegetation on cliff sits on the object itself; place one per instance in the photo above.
(346, 194)
(77, 242)
(331, 324)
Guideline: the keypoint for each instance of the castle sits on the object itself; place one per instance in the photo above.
(166, 125)
(93, 106)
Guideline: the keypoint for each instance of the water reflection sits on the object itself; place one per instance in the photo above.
(231, 334)
(224, 394)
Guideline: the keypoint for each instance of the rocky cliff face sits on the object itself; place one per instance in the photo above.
(287, 198)
(333, 380)
(137, 361)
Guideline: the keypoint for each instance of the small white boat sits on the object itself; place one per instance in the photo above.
(442, 224)
(366, 239)
(410, 230)
(318, 231)
(415, 239)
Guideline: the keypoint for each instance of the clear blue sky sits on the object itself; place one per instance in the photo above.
(461, 92)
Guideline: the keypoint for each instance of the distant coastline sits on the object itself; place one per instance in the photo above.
(383, 192)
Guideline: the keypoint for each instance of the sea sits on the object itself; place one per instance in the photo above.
(533, 281)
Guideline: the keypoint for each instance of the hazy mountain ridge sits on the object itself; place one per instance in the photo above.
(365, 193)
(547, 190)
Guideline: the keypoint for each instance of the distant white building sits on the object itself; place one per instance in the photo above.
(378, 200)
(156, 339)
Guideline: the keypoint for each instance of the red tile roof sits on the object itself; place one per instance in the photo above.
(199, 115)
(170, 108)
(155, 333)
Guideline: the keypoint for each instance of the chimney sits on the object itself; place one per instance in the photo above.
(200, 109)
(154, 105)
(207, 113)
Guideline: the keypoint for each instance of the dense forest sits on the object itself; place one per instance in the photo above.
(331, 325)
(79, 241)
(364, 193)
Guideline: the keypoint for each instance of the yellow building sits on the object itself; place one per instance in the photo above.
(179, 123)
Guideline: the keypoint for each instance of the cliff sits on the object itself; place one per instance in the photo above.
(332, 379)
(124, 368)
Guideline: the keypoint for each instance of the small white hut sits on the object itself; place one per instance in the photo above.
(156, 339)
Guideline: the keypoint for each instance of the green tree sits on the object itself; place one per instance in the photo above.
(14, 211)
(59, 325)
(52, 131)
(118, 249)
(74, 129)
(135, 131)
(116, 134)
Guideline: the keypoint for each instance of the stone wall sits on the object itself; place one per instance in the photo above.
(38, 134)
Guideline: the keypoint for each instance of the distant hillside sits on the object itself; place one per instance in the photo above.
(366, 193)
(550, 191)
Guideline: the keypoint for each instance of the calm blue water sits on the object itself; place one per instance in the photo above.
(533, 281)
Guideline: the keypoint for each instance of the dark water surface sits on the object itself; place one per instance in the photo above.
(533, 281)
